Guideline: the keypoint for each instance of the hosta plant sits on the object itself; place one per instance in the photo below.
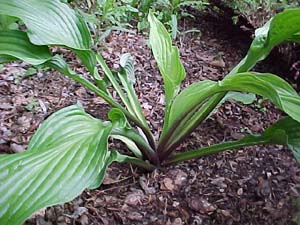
(104, 16)
(69, 151)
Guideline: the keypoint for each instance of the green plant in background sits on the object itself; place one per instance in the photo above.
(249, 8)
(104, 16)
(69, 151)
(19, 75)
(167, 11)
(32, 105)
(252, 5)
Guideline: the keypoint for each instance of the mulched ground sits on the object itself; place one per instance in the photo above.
(257, 185)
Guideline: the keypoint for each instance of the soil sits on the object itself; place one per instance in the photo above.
(254, 185)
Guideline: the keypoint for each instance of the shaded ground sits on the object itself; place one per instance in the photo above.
(257, 185)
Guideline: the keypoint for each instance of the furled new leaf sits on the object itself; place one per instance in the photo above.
(67, 154)
(127, 78)
(118, 118)
(127, 63)
(167, 58)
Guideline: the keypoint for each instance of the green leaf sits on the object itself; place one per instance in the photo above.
(272, 33)
(294, 38)
(49, 22)
(120, 122)
(8, 23)
(123, 131)
(285, 26)
(7, 59)
(276, 30)
(167, 58)
(59, 64)
(245, 98)
(142, 25)
(88, 58)
(269, 86)
(285, 131)
(189, 99)
(109, 74)
(15, 44)
(67, 154)
(117, 157)
(130, 145)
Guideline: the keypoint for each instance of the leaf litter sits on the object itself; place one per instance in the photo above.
(257, 185)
